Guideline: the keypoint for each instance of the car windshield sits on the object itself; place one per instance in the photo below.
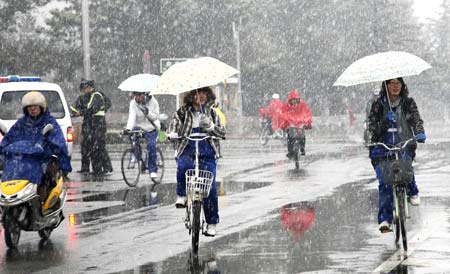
(11, 104)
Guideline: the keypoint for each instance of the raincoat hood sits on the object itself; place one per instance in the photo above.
(293, 95)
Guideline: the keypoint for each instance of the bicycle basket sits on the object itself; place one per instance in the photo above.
(395, 172)
(199, 184)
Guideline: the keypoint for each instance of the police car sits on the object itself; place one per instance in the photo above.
(13, 88)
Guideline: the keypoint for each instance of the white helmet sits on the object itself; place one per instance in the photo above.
(34, 98)
(276, 96)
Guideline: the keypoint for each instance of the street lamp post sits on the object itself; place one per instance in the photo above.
(85, 37)
(238, 67)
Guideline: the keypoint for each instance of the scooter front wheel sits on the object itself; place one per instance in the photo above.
(12, 230)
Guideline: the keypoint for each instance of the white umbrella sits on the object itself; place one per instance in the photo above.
(380, 67)
(140, 82)
(193, 74)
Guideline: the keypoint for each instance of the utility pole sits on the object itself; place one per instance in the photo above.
(238, 67)
(85, 36)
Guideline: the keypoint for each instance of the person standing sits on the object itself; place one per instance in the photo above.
(94, 115)
(394, 118)
(144, 114)
(81, 103)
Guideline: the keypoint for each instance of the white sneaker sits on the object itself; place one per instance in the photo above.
(385, 227)
(180, 202)
(414, 200)
(153, 175)
(210, 230)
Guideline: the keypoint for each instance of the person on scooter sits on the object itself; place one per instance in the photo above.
(197, 118)
(25, 137)
(295, 113)
(393, 118)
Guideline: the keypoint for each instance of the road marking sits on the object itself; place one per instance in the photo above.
(399, 256)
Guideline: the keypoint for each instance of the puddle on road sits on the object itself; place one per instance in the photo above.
(333, 233)
(135, 198)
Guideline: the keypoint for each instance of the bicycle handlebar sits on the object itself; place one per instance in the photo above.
(393, 147)
(195, 139)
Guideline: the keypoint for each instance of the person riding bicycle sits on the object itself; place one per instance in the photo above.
(196, 119)
(295, 113)
(273, 111)
(394, 118)
(25, 137)
(144, 114)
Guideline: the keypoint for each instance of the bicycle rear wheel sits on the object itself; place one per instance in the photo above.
(160, 165)
(131, 167)
(196, 209)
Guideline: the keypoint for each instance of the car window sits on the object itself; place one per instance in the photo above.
(11, 104)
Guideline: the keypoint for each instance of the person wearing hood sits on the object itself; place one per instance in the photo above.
(295, 113)
(144, 114)
(274, 111)
(394, 118)
(26, 138)
(197, 119)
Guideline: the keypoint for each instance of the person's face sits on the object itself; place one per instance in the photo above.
(394, 87)
(139, 97)
(294, 102)
(87, 89)
(34, 110)
(200, 98)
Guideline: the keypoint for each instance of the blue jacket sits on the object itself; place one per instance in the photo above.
(28, 152)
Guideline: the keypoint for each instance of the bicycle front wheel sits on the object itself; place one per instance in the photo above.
(402, 217)
(196, 209)
(160, 165)
(131, 167)
(264, 136)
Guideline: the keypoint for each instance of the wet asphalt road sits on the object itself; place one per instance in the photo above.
(324, 220)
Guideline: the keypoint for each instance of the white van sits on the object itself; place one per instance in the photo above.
(13, 88)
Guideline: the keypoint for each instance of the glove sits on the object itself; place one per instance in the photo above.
(126, 131)
(421, 137)
(205, 122)
(391, 117)
(172, 135)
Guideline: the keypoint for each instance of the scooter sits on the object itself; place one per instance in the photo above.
(32, 207)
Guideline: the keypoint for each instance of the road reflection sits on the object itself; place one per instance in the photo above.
(199, 265)
(297, 218)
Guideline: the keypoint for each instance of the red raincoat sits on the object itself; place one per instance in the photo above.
(274, 111)
(295, 116)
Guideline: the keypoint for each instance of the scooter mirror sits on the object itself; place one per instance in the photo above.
(3, 129)
(47, 129)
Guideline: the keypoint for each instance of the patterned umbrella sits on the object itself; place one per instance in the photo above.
(193, 74)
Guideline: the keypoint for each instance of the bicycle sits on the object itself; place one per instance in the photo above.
(132, 162)
(267, 132)
(198, 186)
(398, 172)
(297, 135)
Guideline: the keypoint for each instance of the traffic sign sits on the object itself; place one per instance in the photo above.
(165, 63)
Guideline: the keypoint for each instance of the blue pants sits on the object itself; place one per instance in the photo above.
(151, 138)
(211, 203)
(386, 198)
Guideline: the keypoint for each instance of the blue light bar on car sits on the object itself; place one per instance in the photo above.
(17, 78)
